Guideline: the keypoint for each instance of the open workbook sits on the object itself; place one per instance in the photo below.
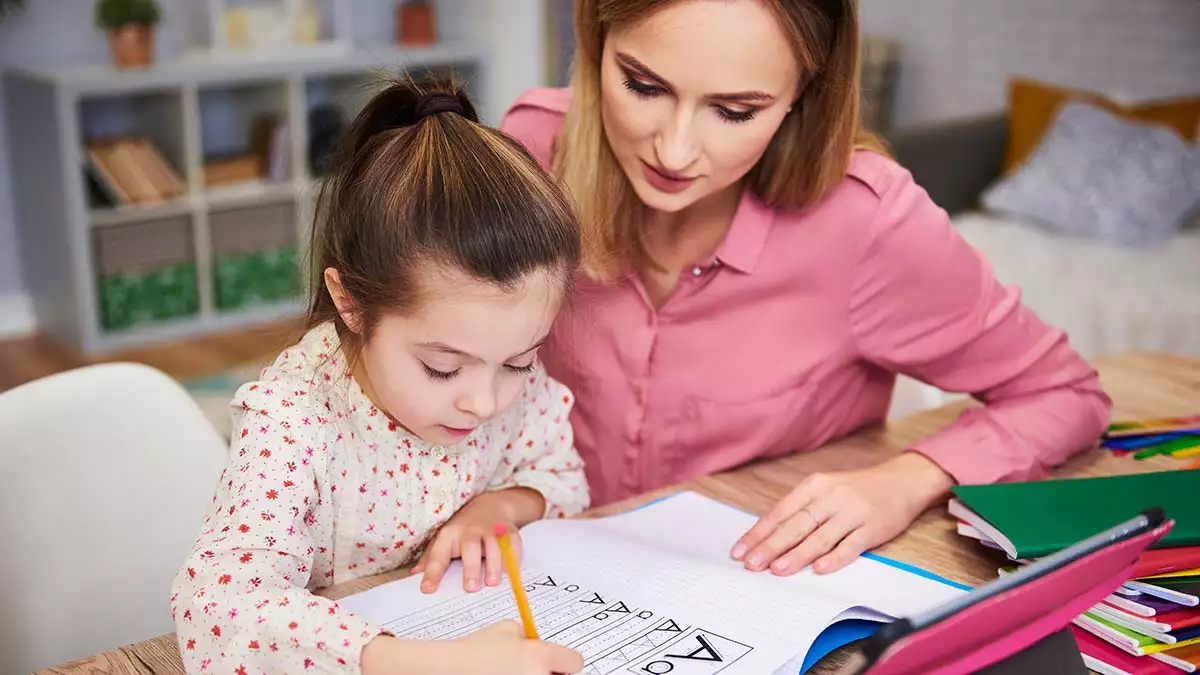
(654, 591)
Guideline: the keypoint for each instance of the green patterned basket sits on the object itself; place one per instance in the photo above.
(242, 279)
(135, 298)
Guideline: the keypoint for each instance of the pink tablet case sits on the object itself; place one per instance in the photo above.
(999, 627)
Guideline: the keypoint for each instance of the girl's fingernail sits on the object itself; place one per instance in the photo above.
(755, 561)
(780, 566)
(493, 581)
(472, 585)
(739, 551)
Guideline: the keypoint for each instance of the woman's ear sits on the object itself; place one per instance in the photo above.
(346, 307)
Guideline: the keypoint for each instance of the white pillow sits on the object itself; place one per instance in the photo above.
(1099, 176)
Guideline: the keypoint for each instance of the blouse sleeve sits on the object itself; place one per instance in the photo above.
(240, 603)
(540, 453)
(924, 303)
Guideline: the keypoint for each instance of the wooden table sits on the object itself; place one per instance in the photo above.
(1141, 384)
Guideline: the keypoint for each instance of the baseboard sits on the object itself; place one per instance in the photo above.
(16, 315)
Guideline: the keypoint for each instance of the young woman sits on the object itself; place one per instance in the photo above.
(758, 272)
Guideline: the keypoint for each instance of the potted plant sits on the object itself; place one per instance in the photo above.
(9, 6)
(130, 25)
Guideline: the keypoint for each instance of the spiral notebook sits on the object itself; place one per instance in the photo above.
(655, 591)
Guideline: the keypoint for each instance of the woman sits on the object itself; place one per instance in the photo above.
(758, 272)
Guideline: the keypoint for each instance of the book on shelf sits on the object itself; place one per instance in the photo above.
(129, 170)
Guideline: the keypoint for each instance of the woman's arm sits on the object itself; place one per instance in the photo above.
(924, 303)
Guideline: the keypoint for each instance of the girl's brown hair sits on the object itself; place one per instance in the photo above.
(808, 155)
(417, 180)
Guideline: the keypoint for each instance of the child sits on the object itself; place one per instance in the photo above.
(411, 418)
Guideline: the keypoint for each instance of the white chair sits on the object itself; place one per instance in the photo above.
(109, 470)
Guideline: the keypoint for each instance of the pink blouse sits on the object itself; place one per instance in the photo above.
(791, 334)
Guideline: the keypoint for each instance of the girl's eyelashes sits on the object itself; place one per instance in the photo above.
(646, 90)
(521, 369)
(435, 374)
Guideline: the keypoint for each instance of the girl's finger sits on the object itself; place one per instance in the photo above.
(472, 554)
(801, 496)
(491, 558)
(439, 557)
(827, 536)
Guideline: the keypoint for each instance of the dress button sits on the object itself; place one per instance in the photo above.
(697, 271)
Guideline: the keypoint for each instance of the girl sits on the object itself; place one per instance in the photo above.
(413, 415)
(737, 216)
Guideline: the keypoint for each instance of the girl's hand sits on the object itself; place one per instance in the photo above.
(469, 535)
(503, 649)
(832, 518)
(500, 648)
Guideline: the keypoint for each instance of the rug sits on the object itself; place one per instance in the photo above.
(214, 392)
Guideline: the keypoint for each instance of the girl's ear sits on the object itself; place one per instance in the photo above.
(341, 299)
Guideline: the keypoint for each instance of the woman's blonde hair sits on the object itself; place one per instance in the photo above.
(808, 155)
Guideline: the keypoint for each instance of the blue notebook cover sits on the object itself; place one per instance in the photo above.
(842, 633)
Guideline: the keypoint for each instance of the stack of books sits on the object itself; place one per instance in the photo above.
(1151, 624)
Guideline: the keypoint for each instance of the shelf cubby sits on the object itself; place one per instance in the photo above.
(105, 275)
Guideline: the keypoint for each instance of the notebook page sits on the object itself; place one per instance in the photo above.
(644, 592)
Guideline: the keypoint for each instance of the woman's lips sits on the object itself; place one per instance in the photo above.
(665, 181)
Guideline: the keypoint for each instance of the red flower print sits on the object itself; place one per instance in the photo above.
(272, 494)
(191, 572)
(191, 644)
(264, 453)
(246, 557)
(288, 483)
(254, 644)
(308, 663)
(256, 582)
(404, 468)
(224, 579)
(391, 426)
(245, 432)
(363, 488)
(243, 528)
(216, 631)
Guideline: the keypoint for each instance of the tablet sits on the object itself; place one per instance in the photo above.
(1097, 565)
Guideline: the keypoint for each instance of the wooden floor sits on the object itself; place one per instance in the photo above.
(26, 359)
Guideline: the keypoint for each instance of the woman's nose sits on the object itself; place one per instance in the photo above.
(676, 145)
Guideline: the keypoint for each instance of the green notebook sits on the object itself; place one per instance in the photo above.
(1036, 518)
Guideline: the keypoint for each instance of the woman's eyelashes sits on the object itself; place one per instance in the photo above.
(646, 90)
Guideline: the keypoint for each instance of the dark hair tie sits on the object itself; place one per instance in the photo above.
(439, 102)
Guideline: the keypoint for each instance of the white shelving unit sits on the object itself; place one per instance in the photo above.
(66, 243)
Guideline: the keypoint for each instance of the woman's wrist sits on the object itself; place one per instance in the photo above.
(925, 479)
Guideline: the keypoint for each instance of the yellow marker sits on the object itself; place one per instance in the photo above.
(514, 577)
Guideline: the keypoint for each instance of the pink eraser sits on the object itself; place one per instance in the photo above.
(500, 529)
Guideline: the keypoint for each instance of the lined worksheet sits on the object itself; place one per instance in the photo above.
(654, 591)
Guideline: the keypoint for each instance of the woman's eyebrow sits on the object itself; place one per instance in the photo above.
(731, 97)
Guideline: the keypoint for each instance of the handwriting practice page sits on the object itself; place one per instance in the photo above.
(654, 591)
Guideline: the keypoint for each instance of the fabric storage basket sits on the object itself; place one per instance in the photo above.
(254, 255)
(146, 273)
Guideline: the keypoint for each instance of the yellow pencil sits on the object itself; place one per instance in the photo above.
(514, 577)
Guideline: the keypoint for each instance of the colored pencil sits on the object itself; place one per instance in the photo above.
(514, 577)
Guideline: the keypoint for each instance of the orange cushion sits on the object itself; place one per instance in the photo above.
(1032, 106)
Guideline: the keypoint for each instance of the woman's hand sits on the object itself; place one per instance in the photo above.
(469, 535)
(500, 648)
(831, 518)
